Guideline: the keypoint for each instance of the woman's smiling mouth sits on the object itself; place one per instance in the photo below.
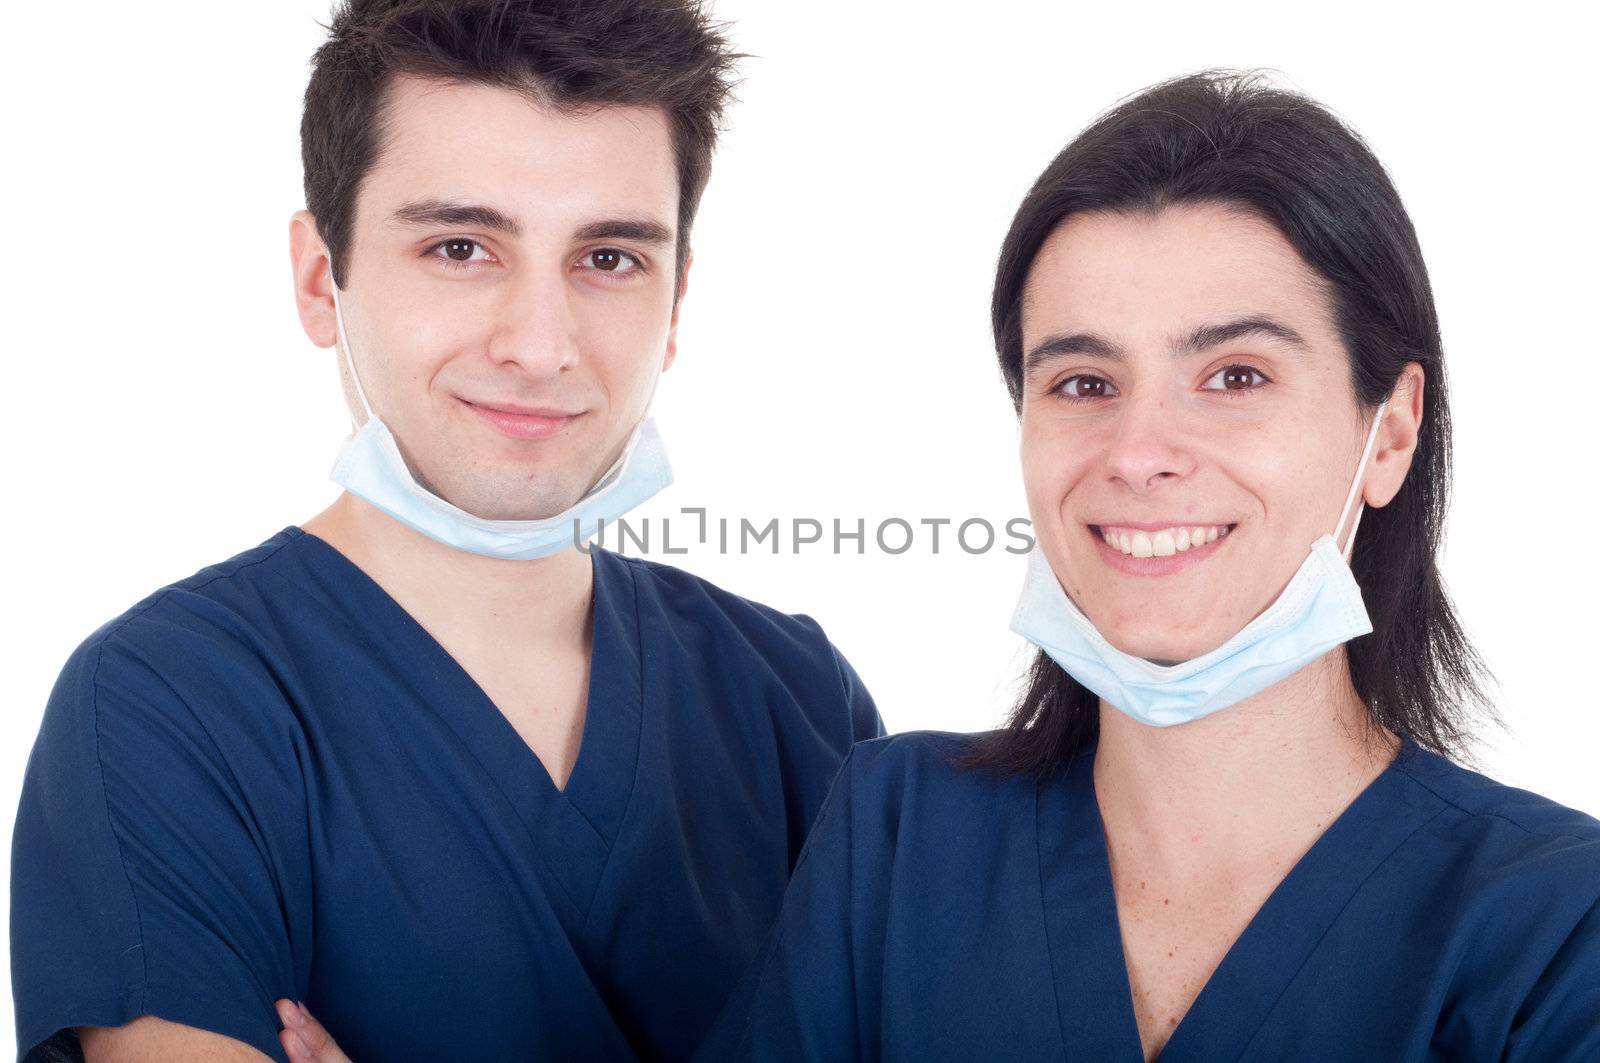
(1152, 549)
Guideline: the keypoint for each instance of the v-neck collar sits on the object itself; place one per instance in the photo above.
(1093, 994)
(573, 829)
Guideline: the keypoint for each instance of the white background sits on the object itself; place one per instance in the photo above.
(163, 409)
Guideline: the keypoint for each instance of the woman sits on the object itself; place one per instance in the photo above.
(1216, 326)
(1223, 822)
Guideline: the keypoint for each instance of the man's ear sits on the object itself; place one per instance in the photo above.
(313, 280)
(1397, 438)
(677, 304)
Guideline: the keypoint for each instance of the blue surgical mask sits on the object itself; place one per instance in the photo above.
(1319, 609)
(371, 467)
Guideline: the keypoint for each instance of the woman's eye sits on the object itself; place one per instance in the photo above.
(1237, 378)
(459, 249)
(610, 260)
(1082, 387)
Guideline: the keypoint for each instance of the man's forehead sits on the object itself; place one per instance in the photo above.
(414, 89)
(455, 141)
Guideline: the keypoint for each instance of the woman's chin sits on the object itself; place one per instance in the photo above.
(1165, 651)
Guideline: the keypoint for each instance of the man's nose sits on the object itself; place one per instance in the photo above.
(1150, 446)
(536, 327)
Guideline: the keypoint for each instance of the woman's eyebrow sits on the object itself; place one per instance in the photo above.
(1208, 336)
(1201, 339)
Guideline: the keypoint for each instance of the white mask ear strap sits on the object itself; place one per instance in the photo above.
(349, 359)
(1355, 488)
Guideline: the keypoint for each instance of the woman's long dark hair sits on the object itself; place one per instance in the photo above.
(1233, 138)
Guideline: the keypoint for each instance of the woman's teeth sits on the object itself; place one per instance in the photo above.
(1163, 543)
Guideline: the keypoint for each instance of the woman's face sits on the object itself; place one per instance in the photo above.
(1182, 371)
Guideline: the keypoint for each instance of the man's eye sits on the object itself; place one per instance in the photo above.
(1237, 378)
(1082, 387)
(610, 260)
(459, 249)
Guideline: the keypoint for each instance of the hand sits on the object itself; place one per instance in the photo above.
(304, 1038)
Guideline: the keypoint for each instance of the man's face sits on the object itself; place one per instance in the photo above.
(1189, 374)
(511, 290)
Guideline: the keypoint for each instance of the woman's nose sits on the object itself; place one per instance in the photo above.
(1148, 447)
(536, 326)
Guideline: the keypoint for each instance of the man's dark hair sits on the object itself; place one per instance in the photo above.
(567, 54)
(1229, 138)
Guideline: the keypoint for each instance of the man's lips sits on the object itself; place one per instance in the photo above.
(523, 422)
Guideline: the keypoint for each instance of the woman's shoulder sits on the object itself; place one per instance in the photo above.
(920, 778)
(1502, 830)
(1482, 802)
(907, 807)
(1507, 881)
(917, 759)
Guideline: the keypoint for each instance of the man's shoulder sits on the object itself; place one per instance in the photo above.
(697, 600)
(167, 770)
(219, 582)
(168, 634)
(755, 648)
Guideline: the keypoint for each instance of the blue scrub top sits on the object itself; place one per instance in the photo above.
(944, 914)
(269, 781)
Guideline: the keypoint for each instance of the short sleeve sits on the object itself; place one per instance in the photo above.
(153, 870)
(800, 998)
(1560, 1019)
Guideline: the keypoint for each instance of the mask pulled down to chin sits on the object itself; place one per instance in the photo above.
(371, 467)
(1320, 608)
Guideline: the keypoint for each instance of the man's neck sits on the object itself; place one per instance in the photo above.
(481, 600)
(1242, 785)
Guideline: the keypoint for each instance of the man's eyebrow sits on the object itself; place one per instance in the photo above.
(437, 212)
(1201, 339)
(430, 212)
(634, 230)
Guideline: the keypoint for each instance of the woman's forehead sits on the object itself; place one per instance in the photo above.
(1140, 277)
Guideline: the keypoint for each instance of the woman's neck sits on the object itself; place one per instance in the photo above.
(1250, 783)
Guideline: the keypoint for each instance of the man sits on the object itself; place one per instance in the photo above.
(421, 758)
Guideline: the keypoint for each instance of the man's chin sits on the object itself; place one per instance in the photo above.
(515, 496)
(503, 506)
